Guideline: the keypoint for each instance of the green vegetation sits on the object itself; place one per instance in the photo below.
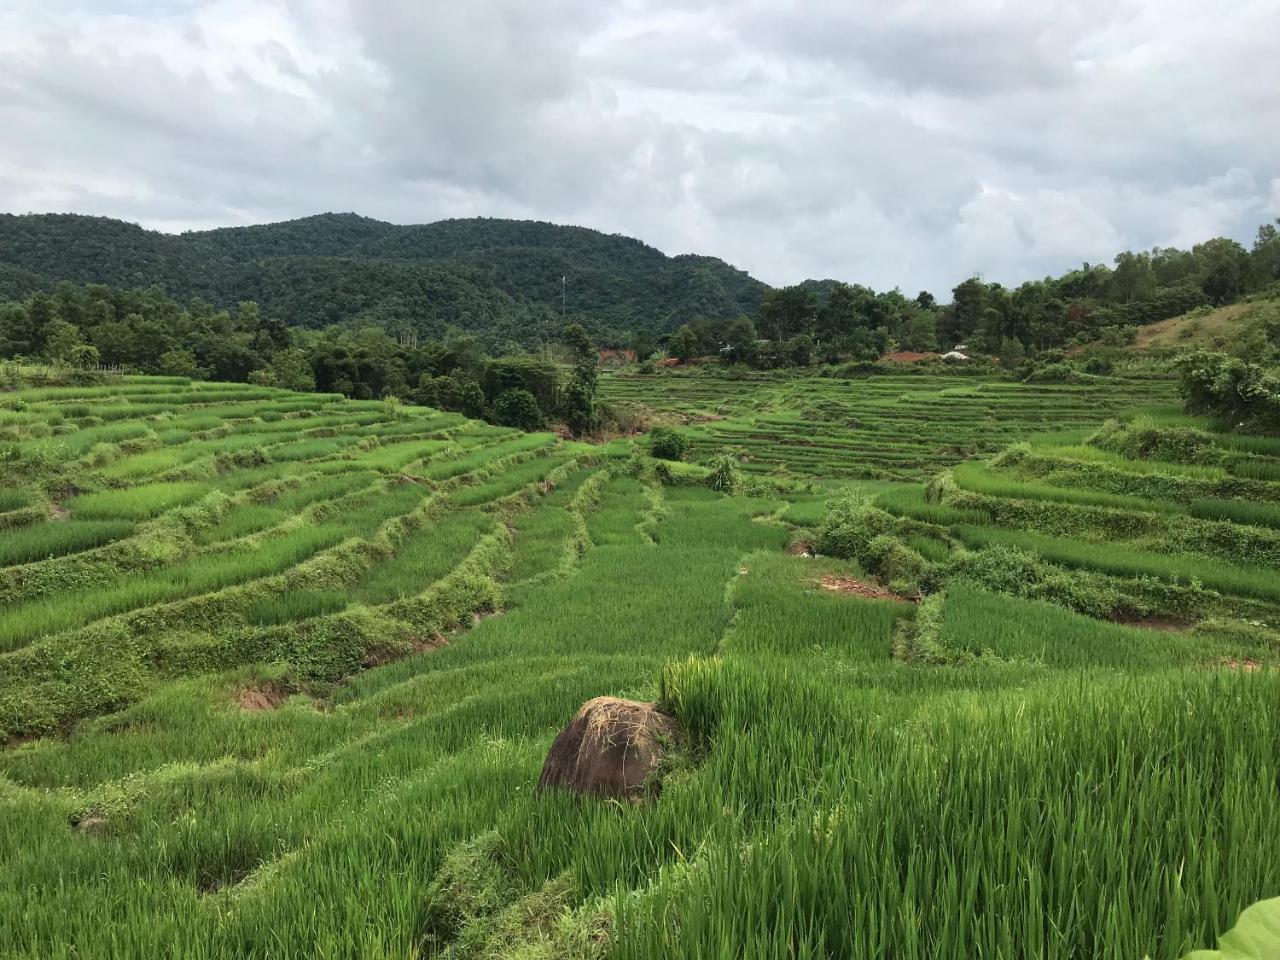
(278, 671)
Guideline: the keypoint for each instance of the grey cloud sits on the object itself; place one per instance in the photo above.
(906, 144)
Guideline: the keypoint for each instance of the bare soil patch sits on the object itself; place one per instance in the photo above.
(860, 588)
(800, 548)
(381, 656)
(1246, 666)
(1151, 622)
(267, 696)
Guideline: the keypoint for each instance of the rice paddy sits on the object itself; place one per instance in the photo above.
(278, 673)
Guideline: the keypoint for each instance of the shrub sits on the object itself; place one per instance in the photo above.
(1247, 394)
(1144, 440)
(724, 475)
(517, 408)
(667, 444)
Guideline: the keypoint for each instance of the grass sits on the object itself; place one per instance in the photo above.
(980, 479)
(437, 610)
(1121, 561)
(1237, 511)
(55, 538)
(134, 503)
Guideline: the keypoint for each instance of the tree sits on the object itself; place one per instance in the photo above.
(517, 408)
(1224, 266)
(1264, 261)
(61, 340)
(741, 340)
(292, 370)
(683, 344)
(84, 355)
(643, 344)
(1132, 279)
(578, 407)
(667, 444)
(179, 363)
(787, 312)
(800, 350)
(961, 320)
(918, 330)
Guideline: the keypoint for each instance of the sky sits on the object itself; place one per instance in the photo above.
(907, 144)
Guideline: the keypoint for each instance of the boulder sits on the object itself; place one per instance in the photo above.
(611, 748)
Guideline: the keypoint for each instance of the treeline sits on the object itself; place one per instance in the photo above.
(830, 320)
(514, 284)
(145, 331)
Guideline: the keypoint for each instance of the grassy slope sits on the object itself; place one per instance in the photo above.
(1031, 803)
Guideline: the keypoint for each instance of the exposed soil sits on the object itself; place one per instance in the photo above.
(58, 512)
(1151, 622)
(860, 588)
(381, 656)
(267, 696)
(93, 823)
(1248, 666)
(800, 548)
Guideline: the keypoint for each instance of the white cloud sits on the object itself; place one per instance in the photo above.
(904, 145)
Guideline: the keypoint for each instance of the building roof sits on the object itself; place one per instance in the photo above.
(908, 356)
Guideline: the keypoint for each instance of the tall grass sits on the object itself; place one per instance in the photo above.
(1124, 561)
(1237, 511)
(980, 479)
(1076, 789)
(55, 538)
(135, 503)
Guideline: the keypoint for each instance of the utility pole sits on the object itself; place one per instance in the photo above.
(563, 282)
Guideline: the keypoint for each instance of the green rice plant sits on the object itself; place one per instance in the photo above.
(14, 499)
(315, 714)
(982, 479)
(930, 548)
(55, 538)
(27, 622)
(295, 605)
(1268, 470)
(989, 624)
(1122, 561)
(1097, 455)
(135, 503)
(1237, 511)
(909, 500)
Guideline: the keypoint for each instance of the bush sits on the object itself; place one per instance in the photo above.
(724, 475)
(517, 408)
(1247, 394)
(1144, 440)
(667, 444)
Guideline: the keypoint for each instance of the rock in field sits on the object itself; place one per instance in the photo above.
(611, 748)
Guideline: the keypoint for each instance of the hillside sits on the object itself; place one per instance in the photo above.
(279, 671)
(1204, 328)
(498, 278)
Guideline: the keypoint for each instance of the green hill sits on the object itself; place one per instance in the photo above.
(498, 278)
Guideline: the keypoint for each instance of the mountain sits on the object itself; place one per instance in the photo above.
(498, 278)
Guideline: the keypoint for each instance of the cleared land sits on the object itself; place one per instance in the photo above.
(278, 674)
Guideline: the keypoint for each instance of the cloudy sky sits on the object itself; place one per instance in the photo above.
(896, 144)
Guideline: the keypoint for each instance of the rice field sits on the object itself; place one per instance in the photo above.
(278, 673)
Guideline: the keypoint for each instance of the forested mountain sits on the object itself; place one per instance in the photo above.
(500, 279)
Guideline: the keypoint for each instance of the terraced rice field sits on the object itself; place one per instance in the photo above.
(879, 427)
(278, 674)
